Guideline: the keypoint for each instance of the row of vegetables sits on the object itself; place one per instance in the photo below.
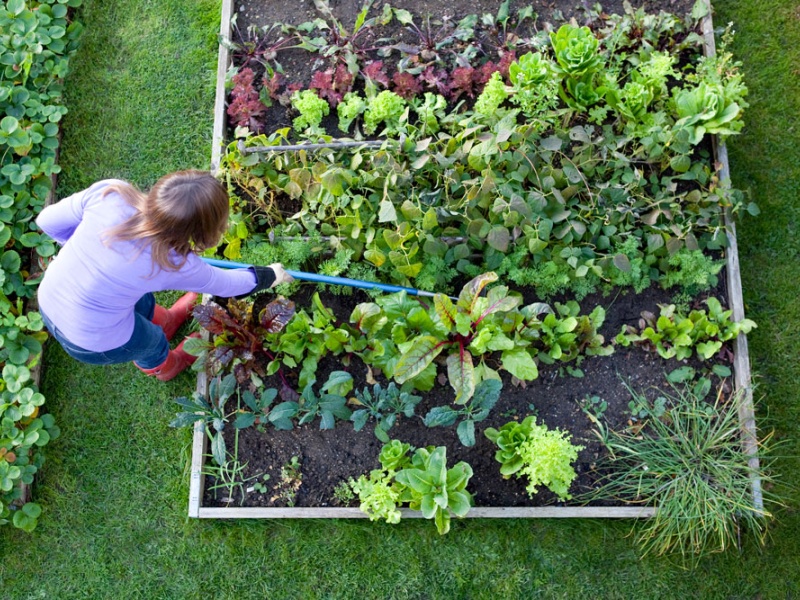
(37, 39)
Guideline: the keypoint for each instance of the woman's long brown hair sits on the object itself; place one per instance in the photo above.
(184, 212)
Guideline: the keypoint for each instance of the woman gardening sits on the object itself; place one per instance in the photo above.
(119, 245)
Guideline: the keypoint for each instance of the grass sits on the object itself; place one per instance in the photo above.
(115, 488)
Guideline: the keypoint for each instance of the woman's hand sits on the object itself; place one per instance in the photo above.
(281, 276)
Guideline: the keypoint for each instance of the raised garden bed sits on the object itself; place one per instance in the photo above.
(565, 395)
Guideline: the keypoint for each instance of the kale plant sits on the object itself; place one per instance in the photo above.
(384, 405)
(476, 409)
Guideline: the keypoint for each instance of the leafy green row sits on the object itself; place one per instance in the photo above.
(557, 208)
(36, 41)
(402, 336)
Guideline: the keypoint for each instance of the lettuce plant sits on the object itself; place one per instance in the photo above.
(542, 455)
(430, 487)
(378, 494)
(350, 109)
(705, 109)
(387, 108)
(306, 339)
(378, 497)
(534, 83)
(422, 482)
(492, 96)
(312, 109)
(565, 334)
(576, 50)
(673, 335)
(578, 61)
(245, 108)
(508, 439)
(332, 84)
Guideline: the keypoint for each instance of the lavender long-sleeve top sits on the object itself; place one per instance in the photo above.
(90, 289)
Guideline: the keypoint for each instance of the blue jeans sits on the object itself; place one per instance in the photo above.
(148, 345)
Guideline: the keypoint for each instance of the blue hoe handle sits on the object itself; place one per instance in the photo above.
(317, 278)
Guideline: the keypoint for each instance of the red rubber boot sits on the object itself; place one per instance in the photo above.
(171, 319)
(177, 361)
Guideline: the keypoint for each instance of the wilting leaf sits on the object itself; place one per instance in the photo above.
(471, 291)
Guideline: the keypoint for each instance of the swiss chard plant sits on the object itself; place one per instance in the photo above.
(238, 337)
(309, 337)
(472, 326)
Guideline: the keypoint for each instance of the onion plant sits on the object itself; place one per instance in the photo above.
(691, 465)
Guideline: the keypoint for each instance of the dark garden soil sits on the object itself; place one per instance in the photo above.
(328, 457)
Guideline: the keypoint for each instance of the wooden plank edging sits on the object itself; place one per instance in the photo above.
(478, 512)
(742, 377)
(223, 61)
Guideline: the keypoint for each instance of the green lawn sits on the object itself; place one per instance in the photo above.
(115, 488)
